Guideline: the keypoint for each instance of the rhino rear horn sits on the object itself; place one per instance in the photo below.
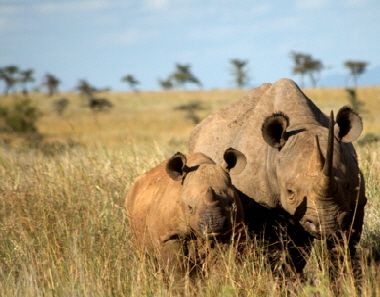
(176, 166)
(234, 161)
(273, 129)
(317, 160)
(349, 125)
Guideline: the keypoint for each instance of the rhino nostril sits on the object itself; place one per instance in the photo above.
(310, 225)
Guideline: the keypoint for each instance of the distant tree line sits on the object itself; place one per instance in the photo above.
(304, 65)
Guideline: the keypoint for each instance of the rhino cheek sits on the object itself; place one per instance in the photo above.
(192, 222)
(290, 209)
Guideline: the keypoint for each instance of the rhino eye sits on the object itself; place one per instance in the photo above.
(290, 194)
(191, 209)
(347, 187)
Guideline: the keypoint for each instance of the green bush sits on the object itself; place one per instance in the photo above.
(21, 117)
(368, 138)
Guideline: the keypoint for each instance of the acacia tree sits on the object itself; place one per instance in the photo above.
(305, 64)
(314, 68)
(299, 67)
(8, 74)
(26, 77)
(183, 75)
(191, 110)
(240, 72)
(166, 84)
(51, 82)
(355, 103)
(131, 81)
(85, 89)
(356, 69)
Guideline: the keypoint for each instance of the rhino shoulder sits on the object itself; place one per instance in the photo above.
(232, 118)
(153, 208)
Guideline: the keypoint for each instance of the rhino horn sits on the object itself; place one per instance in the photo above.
(317, 160)
(328, 166)
(210, 196)
(326, 184)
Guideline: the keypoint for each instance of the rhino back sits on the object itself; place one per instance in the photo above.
(239, 126)
(219, 129)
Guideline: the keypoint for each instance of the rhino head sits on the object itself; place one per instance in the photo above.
(318, 178)
(209, 201)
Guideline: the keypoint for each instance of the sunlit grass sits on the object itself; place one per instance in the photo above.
(63, 230)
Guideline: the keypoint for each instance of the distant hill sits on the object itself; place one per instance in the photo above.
(370, 77)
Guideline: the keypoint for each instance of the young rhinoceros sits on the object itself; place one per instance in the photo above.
(183, 201)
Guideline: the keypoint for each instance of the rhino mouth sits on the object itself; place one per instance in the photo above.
(325, 226)
(212, 225)
(212, 235)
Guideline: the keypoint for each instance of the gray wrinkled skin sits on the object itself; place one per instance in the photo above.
(285, 169)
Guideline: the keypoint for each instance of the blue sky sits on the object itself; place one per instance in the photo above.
(103, 40)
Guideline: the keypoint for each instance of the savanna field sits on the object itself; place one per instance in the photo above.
(63, 228)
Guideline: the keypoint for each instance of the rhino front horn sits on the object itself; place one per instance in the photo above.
(326, 184)
(327, 167)
(210, 196)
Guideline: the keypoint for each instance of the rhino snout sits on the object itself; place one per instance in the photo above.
(311, 225)
(212, 222)
(318, 226)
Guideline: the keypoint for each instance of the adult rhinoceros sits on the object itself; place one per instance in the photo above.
(300, 165)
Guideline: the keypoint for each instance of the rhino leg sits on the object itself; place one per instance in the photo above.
(172, 256)
(292, 250)
(181, 259)
(336, 250)
(299, 248)
(290, 244)
(353, 244)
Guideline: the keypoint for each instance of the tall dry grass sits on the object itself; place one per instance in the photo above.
(63, 230)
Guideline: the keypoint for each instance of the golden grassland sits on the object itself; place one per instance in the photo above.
(63, 230)
(150, 116)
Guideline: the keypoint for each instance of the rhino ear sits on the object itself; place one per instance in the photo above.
(273, 129)
(234, 161)
(176, 166)
(348, 125)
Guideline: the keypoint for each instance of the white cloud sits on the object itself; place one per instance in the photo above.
(213, 33)
(259, 10)
(357, 3)
(71, 6)
(5, 24)
(9, 18)
(320, 4)
(130, 36)
(9, 10)
(275, 25)
(311, 4)
(156, 4)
